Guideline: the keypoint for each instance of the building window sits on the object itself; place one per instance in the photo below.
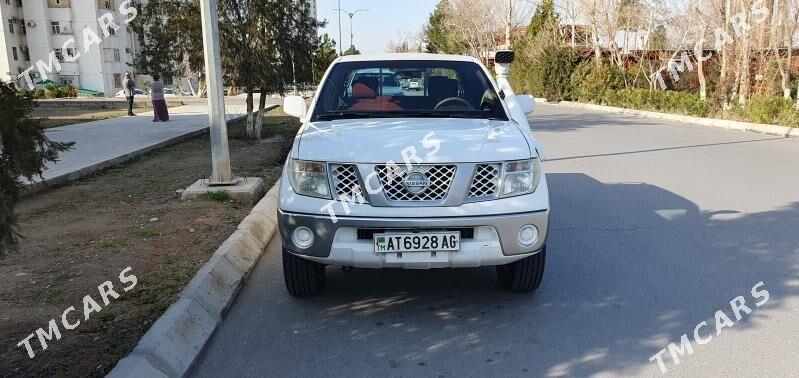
(57, 2)
(59, 54)
(71, 52)
(111, 31)
(65, 81)
(108, 4)
(23, 30)
(55, 28)
(11, 26)
(117, 80)
(26, 53)
(19, 3)
(14, 52)
(8, 2)
(117, 58)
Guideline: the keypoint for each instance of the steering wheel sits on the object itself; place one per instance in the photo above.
(453, 100)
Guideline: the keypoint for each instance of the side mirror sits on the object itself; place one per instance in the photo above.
(526, 103)
(295, 106)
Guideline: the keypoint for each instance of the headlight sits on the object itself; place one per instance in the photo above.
(521, 177)
(309, 178)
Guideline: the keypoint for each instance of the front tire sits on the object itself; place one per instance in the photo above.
(303, 278)
(525, 275)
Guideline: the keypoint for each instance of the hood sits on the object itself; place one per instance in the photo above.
(434, 140)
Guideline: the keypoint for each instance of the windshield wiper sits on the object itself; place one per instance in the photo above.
(347, 115)
(431, 114)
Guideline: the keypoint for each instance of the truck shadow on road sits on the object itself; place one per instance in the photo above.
(631, 267)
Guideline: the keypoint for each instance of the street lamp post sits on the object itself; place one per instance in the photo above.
(351, 14)
(340, 44)
(221, 174)
(246, 189)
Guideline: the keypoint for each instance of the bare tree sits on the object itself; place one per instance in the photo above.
(479, 23)
(783, 29)
(570, 10)
(591, 10)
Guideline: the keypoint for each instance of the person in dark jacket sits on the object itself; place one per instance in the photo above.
(130, 91)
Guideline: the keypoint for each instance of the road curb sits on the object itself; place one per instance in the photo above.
(783, 131)
(171, 345)
(94, 168)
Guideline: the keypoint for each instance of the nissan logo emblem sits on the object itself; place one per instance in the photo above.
(416, 182)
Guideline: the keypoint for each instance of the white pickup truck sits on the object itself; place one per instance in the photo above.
(445, 177)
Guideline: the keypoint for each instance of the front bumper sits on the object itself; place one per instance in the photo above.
(494, 241)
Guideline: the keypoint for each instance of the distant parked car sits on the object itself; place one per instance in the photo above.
(138, 92)
(171, 92)
(415, 85)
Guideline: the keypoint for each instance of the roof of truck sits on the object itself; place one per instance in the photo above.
(405, 56)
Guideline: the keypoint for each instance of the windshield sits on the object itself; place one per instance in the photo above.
(427, 88)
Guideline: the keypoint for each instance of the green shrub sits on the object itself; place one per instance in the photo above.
(51, 91)
(549, 75)
(769, 110)
(590, 82)
(68, 91)
(661, 101)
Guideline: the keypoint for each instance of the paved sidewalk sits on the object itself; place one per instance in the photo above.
(99, 144)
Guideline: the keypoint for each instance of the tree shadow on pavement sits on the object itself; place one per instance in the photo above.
(631, 267)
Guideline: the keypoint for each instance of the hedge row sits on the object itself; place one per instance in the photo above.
(659, 101)
(557, 75)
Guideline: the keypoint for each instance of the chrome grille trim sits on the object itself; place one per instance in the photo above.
(346, 184)
(486, 181)
(440, 176)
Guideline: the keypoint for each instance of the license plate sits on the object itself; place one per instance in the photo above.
(419, 242)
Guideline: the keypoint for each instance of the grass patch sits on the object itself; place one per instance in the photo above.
(216, 196)
(105, 315)
(55, 296)
(276, 123)
(114, 243)
(145, 232)
(64, 276)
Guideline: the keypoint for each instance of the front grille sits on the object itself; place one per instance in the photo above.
(345, 182)
(368, 233)
(392, 176)
(486, 181)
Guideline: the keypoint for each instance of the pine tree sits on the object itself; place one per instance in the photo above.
(24, 151)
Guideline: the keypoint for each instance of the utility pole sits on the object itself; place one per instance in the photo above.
(220, 155)
(351, 14)
(340, 51)
(247, 189)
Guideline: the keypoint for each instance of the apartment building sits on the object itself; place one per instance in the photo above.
(32, 29)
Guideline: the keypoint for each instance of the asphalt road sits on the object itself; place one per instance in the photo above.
(655, 227)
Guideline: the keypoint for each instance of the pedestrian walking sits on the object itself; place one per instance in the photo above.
(130, 91)
(157, 95)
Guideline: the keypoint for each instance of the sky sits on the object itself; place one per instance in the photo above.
(386, 20)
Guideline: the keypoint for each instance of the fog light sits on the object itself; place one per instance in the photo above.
(302, 237)
(528, 235)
